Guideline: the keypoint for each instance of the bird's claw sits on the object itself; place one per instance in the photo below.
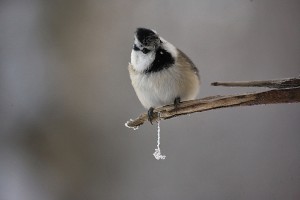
(150, 115)
(176, 103)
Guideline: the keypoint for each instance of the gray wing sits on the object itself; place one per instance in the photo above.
(188, 60)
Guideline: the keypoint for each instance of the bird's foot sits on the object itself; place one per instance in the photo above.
(150, 114)
(176, 103)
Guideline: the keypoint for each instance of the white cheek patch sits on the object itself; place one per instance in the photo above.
(139, 60)
(138, 43)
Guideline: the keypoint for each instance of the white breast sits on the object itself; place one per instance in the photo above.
(158, 89)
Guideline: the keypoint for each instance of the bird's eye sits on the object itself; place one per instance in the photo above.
(135, 48)
(145, 50)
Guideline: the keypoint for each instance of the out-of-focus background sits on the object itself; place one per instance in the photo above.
(65, 95)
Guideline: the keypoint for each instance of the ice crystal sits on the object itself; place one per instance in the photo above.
(134, 127)
(157, 154)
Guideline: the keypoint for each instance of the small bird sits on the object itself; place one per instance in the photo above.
(160, 73)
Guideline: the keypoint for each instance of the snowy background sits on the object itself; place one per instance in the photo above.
(65, 95)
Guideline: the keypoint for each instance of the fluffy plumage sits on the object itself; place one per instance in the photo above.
(160, 72)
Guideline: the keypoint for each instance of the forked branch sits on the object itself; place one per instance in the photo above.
(288, 92)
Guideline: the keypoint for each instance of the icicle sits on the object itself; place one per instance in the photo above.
(157, 154)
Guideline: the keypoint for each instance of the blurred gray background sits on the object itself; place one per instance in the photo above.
(65, 95)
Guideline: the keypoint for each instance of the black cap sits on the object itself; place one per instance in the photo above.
(146, 36)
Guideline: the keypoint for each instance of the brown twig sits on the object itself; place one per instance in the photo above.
(284, 83)
(286, 94)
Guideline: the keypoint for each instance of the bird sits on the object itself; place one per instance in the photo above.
(160, 73)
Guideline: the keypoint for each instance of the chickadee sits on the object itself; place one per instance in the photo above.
(160, 73)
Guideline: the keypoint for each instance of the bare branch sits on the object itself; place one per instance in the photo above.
(284, 83)
(283, 95)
